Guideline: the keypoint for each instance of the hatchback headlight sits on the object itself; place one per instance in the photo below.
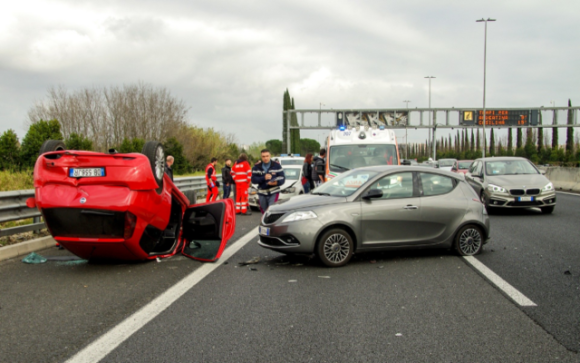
(300, 216)
(289, 190)
(496, 188)
(253, 191)
(548, 188)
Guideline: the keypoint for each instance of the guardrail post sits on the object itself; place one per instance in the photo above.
(34, 221)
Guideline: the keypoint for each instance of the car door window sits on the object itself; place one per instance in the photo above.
(395, 186)
(477, 169)
(434, 184)
(472, 167)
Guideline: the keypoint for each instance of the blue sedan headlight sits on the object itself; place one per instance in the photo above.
(300, 216)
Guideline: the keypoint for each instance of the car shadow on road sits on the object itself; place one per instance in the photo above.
(311, 261)
(516, 212)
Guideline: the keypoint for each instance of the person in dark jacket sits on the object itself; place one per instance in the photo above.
(318, 165)
(307, 182)
(269, 175)
(227, 178)
(168, 163)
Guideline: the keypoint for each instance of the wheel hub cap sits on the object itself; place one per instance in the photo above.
(336, 248)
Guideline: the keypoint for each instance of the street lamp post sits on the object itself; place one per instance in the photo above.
(484, 70)
(430, 111)
(406, 138)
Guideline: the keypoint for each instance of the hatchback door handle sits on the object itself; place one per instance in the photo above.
(411, 207)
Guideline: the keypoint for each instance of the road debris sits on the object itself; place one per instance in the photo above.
(253, 269)
(292, 280)
(567, 272)
(253, 261)
(34, 258)
(398, 335)
(324, 277)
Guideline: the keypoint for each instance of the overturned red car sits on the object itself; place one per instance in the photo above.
(124, 206)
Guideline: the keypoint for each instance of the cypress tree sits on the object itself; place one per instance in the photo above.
(570, 133)
(478, 141)
(472, 141)
(510, 142)
(286, 106)
(450, 143)
(519, 141)
(295, 134)
(540, 135)
(554, 136)
(491, 144)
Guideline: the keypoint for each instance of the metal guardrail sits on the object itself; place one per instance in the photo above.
(13, 205)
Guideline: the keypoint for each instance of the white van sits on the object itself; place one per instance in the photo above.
(350, 148)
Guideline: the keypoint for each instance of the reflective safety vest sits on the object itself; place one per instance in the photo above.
(210, 177)
(242, 172)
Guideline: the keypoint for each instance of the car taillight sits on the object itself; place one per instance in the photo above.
(130, 222)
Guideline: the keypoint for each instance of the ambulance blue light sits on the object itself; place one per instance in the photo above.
(342, 128)
(382, 127)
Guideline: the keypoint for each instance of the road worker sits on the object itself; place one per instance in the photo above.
(242, 175)
(211, 181)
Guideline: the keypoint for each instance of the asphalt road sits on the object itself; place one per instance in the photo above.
(404, 306)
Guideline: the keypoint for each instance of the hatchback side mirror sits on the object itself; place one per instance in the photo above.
(373, 193)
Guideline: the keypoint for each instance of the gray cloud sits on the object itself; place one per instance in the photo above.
(231, 61)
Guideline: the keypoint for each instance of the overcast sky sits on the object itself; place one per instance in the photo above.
(230, 61)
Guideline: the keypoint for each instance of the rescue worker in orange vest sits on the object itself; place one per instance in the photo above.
(242, 175)
(211, 180)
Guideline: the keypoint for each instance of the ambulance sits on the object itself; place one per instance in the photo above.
(354, 147)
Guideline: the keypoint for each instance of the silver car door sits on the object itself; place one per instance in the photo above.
(443, 206)
(391, 219)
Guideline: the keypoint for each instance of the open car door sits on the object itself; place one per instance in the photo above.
(207, 229)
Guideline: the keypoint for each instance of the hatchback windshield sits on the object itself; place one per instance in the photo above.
(291, 173)
(509, 167)
(465, 165)
(291, 161)
(345, 184)
(346, 157)
(446, 162)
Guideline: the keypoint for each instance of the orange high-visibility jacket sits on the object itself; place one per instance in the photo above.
(242, 172)
(210, 176)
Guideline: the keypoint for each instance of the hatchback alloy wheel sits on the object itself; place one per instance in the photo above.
(335, 248)
(469, 241)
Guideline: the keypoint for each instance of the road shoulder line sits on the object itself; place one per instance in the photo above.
(109, 341)
(500, 283)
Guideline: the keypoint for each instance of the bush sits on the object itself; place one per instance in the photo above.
(37, 134)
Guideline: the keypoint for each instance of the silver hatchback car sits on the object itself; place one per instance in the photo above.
(378, 208)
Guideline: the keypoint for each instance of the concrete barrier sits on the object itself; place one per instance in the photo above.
(566, 179)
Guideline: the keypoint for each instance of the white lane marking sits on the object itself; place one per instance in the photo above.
(576, 194)
(105, 344)
(503, 285)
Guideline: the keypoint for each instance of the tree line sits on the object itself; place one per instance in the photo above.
(533, 144)
(121, 118)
